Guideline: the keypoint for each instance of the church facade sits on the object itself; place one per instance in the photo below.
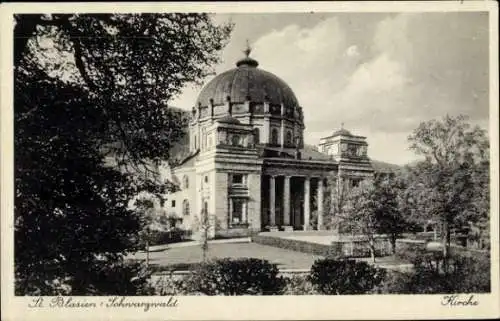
(248, 167)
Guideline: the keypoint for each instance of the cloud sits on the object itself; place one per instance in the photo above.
(352, 51)
(407, 69)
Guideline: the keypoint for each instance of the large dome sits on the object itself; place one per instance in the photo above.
(247, 81)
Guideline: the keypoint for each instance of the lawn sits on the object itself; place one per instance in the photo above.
(184, 256)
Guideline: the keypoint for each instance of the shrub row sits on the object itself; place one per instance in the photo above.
(255, 276)
(165, 237)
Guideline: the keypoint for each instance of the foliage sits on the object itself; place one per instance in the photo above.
(445, 187)
(174, 235)
(170, 285)
(336, 277)
(70, 209)
(360, 213)
(87, 108)
(236, 277)
(299, 285)
(462, 273)
(390, 219)
(336, 192)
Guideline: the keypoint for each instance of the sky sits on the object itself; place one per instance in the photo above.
(378, 74)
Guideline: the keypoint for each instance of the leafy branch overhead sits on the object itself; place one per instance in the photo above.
(131, 65)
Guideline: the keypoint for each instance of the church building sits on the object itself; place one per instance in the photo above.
(248, 166)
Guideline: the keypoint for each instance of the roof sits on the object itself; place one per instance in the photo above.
(311, 152)
(228, 119)
(244, 82)
(342, 131)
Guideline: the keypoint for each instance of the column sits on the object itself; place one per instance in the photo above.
(230, 215)
(272, 201)
(307, 205)
(286, 201)
(320, 203)
(244, 212)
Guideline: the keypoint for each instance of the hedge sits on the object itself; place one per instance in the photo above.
(235, 277)
(166, 237)
(330, 276)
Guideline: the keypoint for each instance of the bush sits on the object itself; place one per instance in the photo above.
(168, 285)
(395, 282)
(235, 277)
(120, 278)
(466, 273)
(166, 237)
(298, 285)
(331, 276)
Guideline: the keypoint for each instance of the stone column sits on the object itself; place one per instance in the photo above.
(307, 205)
(230, 214)
(272, 201)
(244, 212)
(320, 203)
(286, 201)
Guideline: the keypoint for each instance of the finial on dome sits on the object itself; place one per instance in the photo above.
(247, 61)
(342, 125)
(247, 50)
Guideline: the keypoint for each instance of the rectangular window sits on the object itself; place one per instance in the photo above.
(237, 216)
(173, 203)
(237, 179)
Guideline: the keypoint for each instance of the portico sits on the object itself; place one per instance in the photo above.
(292, 195)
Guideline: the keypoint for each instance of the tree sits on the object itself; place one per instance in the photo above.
(336, 191)
(359, 214)
(103, 95)
(442, 186)
(131, 64)
(389, 216)
(205, 225)
(152, 220)
(371, 208)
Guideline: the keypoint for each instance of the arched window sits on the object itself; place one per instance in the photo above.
(289, 138)
(257, 136)
(206, 178)
(195, 142)
(185, 207)
(274, 136)
(205, 207)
